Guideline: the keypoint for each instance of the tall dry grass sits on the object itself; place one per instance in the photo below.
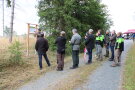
(4, 45)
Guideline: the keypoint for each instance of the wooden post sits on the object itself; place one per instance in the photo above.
(28, 39)
(36, 36)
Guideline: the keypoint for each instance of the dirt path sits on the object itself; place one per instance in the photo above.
(106, 77)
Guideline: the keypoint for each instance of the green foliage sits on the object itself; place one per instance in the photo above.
(8, 3)
(51, 41)
(64, 15)
(15, 53)
(68, 48)
(67, 14)
(7, 32)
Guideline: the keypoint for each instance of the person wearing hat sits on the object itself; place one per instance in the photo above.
(119, 47)
(61, 46)
(89, 43)
(42, 47)
(107, 41)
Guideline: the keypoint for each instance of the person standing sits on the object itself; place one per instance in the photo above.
(133, 37)
(99, 45)
(42, 47)
(107, 41)
(118, 49)
(38, 33)
(89, 43)
(61, 42)
(75, 42)
(112, 44)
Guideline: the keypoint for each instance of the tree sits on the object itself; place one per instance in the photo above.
(67, 14)
(3, 9)
(58, 15)
(12, 19)
(7, 32)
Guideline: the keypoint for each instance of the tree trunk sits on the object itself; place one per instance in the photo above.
(12, 19)
(3, 15)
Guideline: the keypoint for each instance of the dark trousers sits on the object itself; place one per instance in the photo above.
(75, 57)
(60, 60)
(90, 55)
(40, 59)
(112, 52)
(107, 49)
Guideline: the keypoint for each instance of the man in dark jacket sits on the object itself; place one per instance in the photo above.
(107, 41)
(41, 47)
(112, 44)
(89, 43)
(118, 49)
(61, 42)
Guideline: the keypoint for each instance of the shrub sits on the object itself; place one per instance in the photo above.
(15, 53)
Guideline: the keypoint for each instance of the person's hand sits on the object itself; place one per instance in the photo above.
(96, 34)
(85, 37)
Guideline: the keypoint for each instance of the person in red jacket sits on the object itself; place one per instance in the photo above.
(42, 47)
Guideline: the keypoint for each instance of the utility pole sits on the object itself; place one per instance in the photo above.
(12, 19)
(3, 16)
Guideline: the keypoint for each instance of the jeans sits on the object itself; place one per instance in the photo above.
(75, 57)
(90, 55)
(40, 59)
(112, 52)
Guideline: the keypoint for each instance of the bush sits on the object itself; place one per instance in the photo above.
(15, 53)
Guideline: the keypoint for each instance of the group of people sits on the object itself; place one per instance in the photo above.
(110, 40)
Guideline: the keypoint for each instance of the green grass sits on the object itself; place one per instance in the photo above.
(129, 72)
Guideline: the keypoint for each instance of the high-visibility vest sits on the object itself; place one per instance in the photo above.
(100, 38)
(119, 41)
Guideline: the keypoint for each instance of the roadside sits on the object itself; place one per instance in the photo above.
(129, 71)
(65, 80)
(106, 77)
(12, 77)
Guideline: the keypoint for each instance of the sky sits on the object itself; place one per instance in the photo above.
(122, 13)
(25, 12)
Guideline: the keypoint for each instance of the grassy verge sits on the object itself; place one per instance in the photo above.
(129, 72)
(12, 76)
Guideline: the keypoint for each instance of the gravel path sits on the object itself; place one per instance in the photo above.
(106, 77)
(51, 78)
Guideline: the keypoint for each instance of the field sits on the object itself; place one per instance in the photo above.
(12, 76)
